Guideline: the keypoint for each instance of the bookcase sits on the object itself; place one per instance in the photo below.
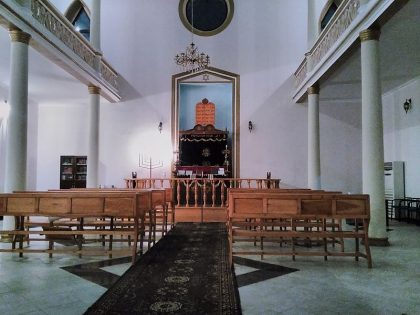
(73, 171)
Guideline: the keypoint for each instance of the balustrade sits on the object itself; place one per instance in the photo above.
(41, 17)
(201, 192)
(338, 25)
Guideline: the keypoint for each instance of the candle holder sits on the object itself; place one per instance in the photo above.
(149, 164)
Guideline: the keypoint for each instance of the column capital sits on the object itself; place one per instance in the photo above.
(16, 35)
(370, 34)
(94, 89)
(314, 89)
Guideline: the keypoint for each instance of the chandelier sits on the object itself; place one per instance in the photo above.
(192, 60)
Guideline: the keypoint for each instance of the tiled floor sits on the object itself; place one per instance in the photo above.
(36, 284)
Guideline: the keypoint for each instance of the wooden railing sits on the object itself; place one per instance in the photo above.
(201, 192)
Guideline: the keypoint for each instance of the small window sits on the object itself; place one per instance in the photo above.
(78, 14)
(210, 17)
(329, 13)
(82, 23)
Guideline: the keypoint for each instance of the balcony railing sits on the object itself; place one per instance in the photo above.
(54, 22)
(60, 27)
(339, 23)
(55, 37)
(201, 192)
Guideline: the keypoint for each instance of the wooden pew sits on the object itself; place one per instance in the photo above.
(331, 223)
(281, 216)
(78, 205)
(157, 217)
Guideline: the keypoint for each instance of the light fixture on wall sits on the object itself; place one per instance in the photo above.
(250, 126)
(407, 105)
(192, 60)
(160, 126)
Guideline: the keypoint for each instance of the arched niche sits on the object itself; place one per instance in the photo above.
(327, 13)
(218, 86)
(78, 14)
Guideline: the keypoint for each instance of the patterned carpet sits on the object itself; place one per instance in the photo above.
(186, 272)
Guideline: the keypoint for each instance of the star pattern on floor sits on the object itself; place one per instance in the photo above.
(93, 271)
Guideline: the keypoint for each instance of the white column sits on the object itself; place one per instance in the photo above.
(95, 25)
(372, 136)
(17, 124)
(93, 140)
(314, 160)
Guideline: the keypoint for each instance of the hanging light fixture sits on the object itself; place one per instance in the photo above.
(192, 60)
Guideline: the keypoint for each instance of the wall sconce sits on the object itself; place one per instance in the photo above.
(160, 126)
(250, 126)
(407, 105)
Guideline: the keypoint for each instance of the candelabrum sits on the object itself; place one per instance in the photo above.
(149, 164)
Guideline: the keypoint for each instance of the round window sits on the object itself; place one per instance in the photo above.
(208, 17)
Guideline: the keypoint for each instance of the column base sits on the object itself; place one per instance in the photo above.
(381, 242)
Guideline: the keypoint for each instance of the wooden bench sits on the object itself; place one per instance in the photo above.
(158, 217)
(76, 205)
(288, 217)
(336, 224)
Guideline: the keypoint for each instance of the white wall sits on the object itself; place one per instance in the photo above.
(341, 146)
(62, 130)
(401, 132)
(263, 44)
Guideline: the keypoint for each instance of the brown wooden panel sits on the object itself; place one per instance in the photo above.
(158, 197)
(2, 205)
(248, 205)
(214, 215)
(123, 207)
(144, 201)
(87, 206)
(351, 206)
(21, 205)
(282, 206)
(188, 215)
(317, 207)
(54, 205)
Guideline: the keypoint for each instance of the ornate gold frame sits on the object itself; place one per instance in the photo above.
(218, 75)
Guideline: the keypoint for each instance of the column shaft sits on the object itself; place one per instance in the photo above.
(314, 160)
(93, 141)
(372, 134)
(17, 122)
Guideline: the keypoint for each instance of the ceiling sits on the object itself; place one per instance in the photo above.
(399, 47)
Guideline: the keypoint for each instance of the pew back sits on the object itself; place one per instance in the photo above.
(313, 204)
(76, 204)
